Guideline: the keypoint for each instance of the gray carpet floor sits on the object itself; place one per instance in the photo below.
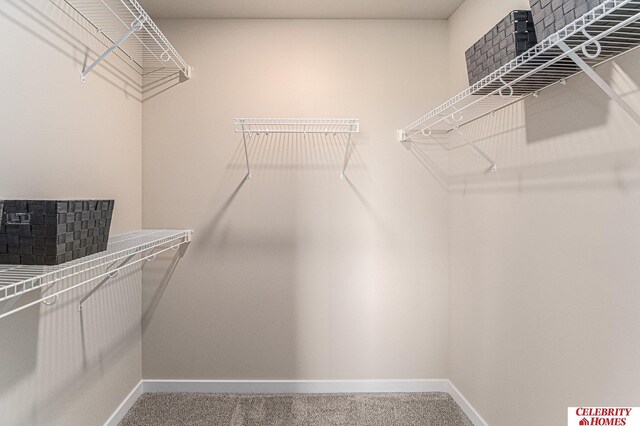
(400, 409)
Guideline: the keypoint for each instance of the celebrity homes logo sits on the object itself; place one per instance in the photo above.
(604, 416)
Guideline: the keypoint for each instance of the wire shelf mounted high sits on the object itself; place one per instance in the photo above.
(131, 30)
(605, 32)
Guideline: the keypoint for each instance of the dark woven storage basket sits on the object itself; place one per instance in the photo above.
(513, 36)
(550, 16)
(42, 232)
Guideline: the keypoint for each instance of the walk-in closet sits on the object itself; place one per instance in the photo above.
(355, 213)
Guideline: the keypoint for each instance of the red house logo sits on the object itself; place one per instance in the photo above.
(584, 422)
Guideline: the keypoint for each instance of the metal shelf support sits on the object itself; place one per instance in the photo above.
(468, 142)
(599, 81)
(135, 27)
(110, 274)
(346, 158)
(246, 152)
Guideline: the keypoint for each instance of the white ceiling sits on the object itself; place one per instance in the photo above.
(318, 9)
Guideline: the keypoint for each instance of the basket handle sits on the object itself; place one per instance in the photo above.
(18, 219)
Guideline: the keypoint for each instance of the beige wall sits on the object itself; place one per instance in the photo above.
(544, 254)
(63, 139)
(297, 274)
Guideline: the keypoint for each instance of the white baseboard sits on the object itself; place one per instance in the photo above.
(465, 406)
(295, 386)
(126, 405)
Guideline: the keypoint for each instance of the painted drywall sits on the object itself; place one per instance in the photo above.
(297, 274)
(61, 139)
(544, 253)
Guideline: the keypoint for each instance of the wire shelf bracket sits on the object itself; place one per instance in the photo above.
(131, 30)
(250, 126)
(123, 252)
(602, 34)
(135, 26)
(599, 81)
(469, 142)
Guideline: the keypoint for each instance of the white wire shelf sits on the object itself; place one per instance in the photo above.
(297, 125)
(131, 30)
(122, 252)
(610, 29)
(328, 126)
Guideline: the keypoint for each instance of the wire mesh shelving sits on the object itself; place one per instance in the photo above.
(328, 126)
(130, 29)
(605, 32)
(123, 251)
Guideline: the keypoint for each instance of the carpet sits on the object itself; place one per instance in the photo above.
(354, 409)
